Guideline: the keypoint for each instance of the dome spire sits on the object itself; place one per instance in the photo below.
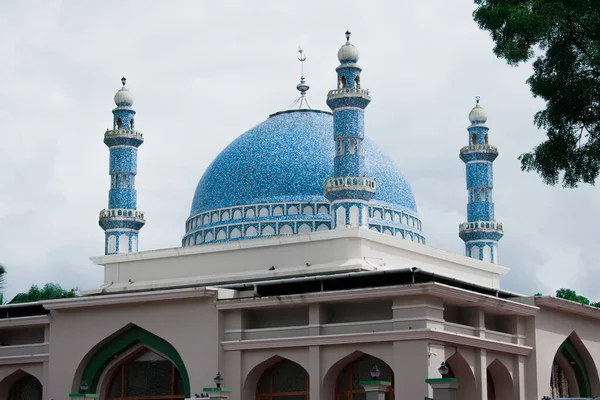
(123, 80)
(302, 102)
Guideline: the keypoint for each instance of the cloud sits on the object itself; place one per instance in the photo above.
(204, 73)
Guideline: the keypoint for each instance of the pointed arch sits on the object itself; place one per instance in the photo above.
(335, 372)
(460, 369)
(499, 382)
(262, 379)
(347, 385)
(574, 363)
(12, 385)
(100, 356)
(143, 373)
(27, 387)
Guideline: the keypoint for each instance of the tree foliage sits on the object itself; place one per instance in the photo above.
(50, 291)
(569, 294)
(564, 38)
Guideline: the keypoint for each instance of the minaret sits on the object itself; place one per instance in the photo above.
(481, 232)
(122, 221)
(350, 189)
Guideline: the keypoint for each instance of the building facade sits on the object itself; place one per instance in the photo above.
(303, 266)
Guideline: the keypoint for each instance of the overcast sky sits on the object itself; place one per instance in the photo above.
(205, 72)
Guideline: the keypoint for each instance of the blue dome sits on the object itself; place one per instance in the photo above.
(288, 157)
(270, 181)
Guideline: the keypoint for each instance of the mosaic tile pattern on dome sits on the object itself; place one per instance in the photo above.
(284, 162)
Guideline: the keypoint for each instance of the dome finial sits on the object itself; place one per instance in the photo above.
(302, 86)
(477, 101)
(302, 102)
(123, 80)
(348, 33)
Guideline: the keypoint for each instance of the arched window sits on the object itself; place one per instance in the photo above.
(146, 375)
(475, 252)
(351, 147)
(284, 380)
(474, 138)
(119, 123)
(348, 386)
(131, 123)
(357, 82)
(26, 388)
(343, 81)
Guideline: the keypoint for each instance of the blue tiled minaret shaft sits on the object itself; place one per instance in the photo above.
(122, 221)
(350, 189)
(481, 232)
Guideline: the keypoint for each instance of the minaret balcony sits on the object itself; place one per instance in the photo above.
(480, 148)
(348, 92)
(122, 213)
(124, 133)
(481, 226)
(350, 187)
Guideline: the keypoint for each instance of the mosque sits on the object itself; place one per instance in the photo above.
(304, 264)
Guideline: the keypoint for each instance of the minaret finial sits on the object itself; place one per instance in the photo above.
(348, 33)
(123, 80)
(477, 100)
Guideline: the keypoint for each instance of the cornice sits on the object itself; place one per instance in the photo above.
(25, 321)
(33, 358)
(567, 306)
(392, 336)
(432, 289)
(350, 233)
(126, 298)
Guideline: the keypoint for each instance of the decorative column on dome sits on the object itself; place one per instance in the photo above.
(349, 190)
(122, 221)
(481, 232)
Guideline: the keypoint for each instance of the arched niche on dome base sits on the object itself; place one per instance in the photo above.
(251, 231)
(304, 228)
(268, 230)
(322, 227)
(285, 229)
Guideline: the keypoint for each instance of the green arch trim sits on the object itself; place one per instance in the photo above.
(583, 379)
(122, 342)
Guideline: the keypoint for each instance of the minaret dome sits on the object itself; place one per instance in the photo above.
(478, 115)
(348, 53)
(124, 97)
